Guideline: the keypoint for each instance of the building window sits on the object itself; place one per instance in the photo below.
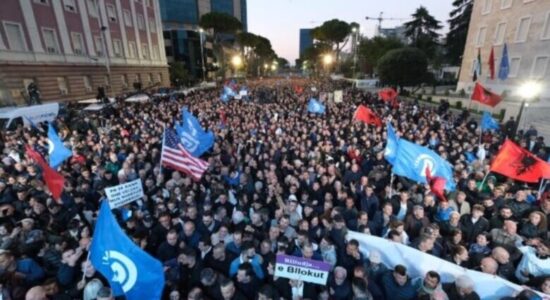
(133, 49)
(26, 82)
(141, 22)
(500, 33)
(539, 67)
(148, 3)
(87, 83)
(124, 80)
(504, 4)
(136, 78)
(117, 48)
(522, 31)
(43, 2)
(486, 6)
(78, 44)
(480, 38)
(152, 25)
(14, 36)
(111, 12)
(92, 8)
(98, 45)
(546, 28)
(159, 78)
(150, 79)
(514, 66)
(50, 40)
(63, 86)
(69, 5)
(156, 53)
(145, 51)
(127, 18)
(106, 81)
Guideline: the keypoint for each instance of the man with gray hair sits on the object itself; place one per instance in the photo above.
(462, 288)
(339, 287)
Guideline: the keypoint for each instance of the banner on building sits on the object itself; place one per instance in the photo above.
(303, 269)
(125, 193)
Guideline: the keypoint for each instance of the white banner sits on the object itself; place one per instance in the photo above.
(418, 264)
(299, 268)
(338, 96)
(125, 193)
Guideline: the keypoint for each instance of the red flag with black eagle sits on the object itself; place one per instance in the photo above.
(484, 96)
(366, 115)
(388, 94)
(54, 180)
(519, 164)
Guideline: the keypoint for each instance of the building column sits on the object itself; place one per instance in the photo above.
(30, 24)
(136, 30)
(122, 23)
(86, 26)
(147, 30)
(107, 33)
(160, 35)
(62, 27)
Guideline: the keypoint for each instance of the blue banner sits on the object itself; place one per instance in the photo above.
(315, 107)
(488, 123)
(193, 137)
(57, 152)
(390, 151)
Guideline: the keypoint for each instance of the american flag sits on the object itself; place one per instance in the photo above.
(175, 156)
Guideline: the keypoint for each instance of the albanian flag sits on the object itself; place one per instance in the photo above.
(388, 94)
(519, 164)
(366, 115)
(484, 96)
(54, 180)
(437, 185)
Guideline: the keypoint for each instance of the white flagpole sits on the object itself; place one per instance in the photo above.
(162, 148)
(542, 186)
(484, 178)
(391, 184)
(86, 265)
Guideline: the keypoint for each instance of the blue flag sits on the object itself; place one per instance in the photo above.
(315, 107)
(390, 151)
(412, 160)
(227, 94)
(192, 135)
(130, 270)
(488, 123)
(56, 150)
(504, 68)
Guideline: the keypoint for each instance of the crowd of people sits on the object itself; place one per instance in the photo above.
(280, 181)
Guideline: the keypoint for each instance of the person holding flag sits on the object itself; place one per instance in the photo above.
(315, 107)
(192, 136)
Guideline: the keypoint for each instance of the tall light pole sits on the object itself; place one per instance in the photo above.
(355, 43)
(327, 61)
(201, 31)
(102, 30)
(527, 91)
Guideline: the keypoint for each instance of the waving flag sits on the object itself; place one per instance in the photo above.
(315, 107)
(227, 94)
(54, 181)
(492, 64)
(504, 68)
(388, 94)
(366, 115)
(412, 160)
(484, 96)
(488, 123)
(519, 164)
(175, 156)
(477, 66)
(56, 150)
(131, 272)
(391, 145)
(437, 185)
(193, 137)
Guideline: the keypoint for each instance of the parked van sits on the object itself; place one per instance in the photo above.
(11, 117)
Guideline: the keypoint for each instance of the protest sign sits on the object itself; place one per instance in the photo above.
(299, 268)
(338, 96)
(125, 193)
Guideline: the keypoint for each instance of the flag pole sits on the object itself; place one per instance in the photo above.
(162, 148)
(541, 187)
(391, 184)
(86, 265)
(484, 178)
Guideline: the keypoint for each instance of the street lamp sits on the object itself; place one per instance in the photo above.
(327, 59)
(201, 32)
(236, 61)
(528, 91)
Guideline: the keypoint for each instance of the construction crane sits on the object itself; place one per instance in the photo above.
(380, 19)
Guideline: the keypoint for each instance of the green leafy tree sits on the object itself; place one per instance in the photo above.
(403, 67)
(371, 50)
(459, 23)
(178, 74)
(220, 24)
(334, 33)
(422, 31)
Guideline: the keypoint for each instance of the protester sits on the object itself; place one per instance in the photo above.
(279, 180)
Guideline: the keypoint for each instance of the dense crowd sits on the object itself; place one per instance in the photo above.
(280, 180)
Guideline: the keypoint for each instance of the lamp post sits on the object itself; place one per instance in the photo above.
(355, 43)
(527, 91)
(201, 31)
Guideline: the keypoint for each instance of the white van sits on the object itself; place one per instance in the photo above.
(11, 117)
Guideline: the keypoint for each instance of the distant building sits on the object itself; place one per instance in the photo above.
(395, 32)
(64, 47)
(180, 20)
(306, 39)
(525, 28)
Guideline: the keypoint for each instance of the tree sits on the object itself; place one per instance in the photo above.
(403, 67)
(220, 24)
(459, 23)
(371, 50)
(335, 33)
(422, 31)
(178, 74)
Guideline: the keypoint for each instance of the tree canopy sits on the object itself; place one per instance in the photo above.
(459, 23)
(422, 31)
(403, 67)
(371, 50)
